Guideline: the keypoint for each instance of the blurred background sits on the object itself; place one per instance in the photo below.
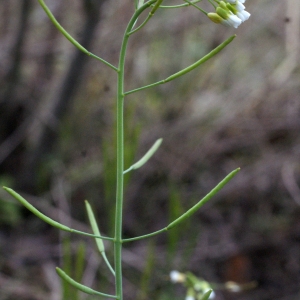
(57, 148)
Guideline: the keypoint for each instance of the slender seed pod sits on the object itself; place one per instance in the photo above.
(80, 286)
(46, 219)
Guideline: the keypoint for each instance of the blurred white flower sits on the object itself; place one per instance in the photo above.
(232, 286)
(177, 277)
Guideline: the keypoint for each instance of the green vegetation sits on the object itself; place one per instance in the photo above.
(212, 120)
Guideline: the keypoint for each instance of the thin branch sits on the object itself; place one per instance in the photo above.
(70, 38)
(187, 69)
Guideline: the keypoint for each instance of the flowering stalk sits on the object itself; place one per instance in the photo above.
(230, 13)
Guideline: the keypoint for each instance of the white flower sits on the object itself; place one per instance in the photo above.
(243, 15)
(176, 277)
(232, 286)
(189, 298)
(234, 21)
(239, 6)
(230, 12)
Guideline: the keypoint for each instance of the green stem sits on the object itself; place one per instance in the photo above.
(142, 25)
(146, 235)
(120, 152)
(145, 87)
(196, 6)
(150, 15)
(179, 5)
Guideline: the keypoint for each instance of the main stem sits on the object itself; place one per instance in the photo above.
(120, 152)
(120, 170)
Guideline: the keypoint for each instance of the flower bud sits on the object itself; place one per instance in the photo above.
(215, 17)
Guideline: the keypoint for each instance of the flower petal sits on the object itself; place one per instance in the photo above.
(243, 15)
(239, 6)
